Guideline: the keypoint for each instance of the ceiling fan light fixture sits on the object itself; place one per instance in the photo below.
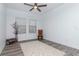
(35, 7)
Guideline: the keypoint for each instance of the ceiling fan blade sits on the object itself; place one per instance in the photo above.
(28, 4)
(31, 9)
(38, 9)
(42, 5)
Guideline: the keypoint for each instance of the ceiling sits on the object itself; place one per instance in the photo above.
(22, 7)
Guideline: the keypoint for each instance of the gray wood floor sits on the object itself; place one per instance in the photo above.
(68, 50)
(12, 50)
(15, 49)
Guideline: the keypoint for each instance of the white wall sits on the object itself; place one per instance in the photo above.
(12, 14)
(61, 25)
(2, 27)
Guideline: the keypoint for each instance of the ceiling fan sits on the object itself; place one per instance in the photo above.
(35, 6)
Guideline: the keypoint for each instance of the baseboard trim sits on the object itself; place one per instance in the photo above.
(61, 44)
(27, 40)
